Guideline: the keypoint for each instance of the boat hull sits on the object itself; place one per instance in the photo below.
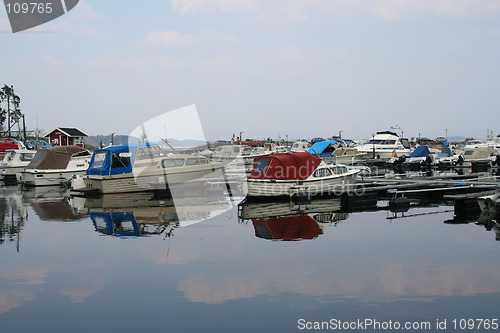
(143, 182)
(289, 188)
(46, 177)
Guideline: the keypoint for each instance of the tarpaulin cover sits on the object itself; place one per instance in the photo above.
(420, 151)
(291, 166)
(53, 158)
(320, 148)
(287, 228)
(108, 161)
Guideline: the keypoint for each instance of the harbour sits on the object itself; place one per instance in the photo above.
(313, 260)
(221, 227)
(249, 166)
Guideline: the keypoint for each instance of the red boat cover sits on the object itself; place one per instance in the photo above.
(291, 166)
(287, 228)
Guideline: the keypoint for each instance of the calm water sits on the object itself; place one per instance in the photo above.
(131, 263)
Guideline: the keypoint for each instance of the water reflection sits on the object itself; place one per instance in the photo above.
(359, 263)
(13, 215)
(291, 220)
(489, 220)
(140, 214)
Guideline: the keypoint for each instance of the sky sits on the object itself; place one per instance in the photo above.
(266, 68)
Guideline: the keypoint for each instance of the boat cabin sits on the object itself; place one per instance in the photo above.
(116, 160)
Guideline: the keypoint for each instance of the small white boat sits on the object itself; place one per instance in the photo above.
(421, 156)
(15, 161)
(446, 158)
(478, 155)
(55, 166)
(239, 157)
(300, 146)
(289, 174)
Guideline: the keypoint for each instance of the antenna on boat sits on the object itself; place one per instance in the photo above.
(168, 144)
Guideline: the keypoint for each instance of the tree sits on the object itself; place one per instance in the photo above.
(12, 114)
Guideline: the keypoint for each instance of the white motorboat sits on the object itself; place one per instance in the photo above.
(239, 157)
(419, 157)
(300, 146)
(446, 158)
(55, 166)
(478, 155)
(15, 161)
(295, 173)
(140, 167)
(385, 145)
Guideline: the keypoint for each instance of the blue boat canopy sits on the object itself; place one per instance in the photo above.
(116, 160)
(420, 151)
(323, 148)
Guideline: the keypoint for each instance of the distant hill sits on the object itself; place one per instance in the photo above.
(95, 141)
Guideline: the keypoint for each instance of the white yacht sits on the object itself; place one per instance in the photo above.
(15, 161)
(385, 145)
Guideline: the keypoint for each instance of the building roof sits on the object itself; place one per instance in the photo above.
(71, 132)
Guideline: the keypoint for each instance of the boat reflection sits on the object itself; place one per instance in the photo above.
(490, 220)
(51, 203)
(142, 214)
(290, 220)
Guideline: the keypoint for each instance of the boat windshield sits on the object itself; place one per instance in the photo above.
(9, 155)
(99, 158)
(261, 165)
(172, 162)
(376, 142)
(149, 152)
(26, 156)
(196, 161)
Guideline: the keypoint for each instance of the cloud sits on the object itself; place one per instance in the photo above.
(300, 10)
(224, 6)
(79, 22)
(169, 38)
(393, 281)
(398, 8)
(295, 10)
(176, 39)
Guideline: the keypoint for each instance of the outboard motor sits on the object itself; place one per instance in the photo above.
(496, 161)
(460, 160)
(398, 164)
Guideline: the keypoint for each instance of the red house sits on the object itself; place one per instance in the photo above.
(63, 136)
